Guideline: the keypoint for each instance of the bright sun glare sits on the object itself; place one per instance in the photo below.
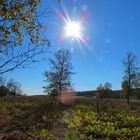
(73, 29)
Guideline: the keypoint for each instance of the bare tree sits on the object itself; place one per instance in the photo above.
(103, 91)
(59, 75)
(130, 73)
(15, 58)
(14, 87)
(20, 32)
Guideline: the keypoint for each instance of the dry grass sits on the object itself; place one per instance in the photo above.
(39, 117)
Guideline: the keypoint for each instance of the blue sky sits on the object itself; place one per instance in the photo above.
(111, 28)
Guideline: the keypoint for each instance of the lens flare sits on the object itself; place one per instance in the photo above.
(73, 29)
(74, 26)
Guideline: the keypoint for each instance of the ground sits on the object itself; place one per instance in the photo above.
(43, 118)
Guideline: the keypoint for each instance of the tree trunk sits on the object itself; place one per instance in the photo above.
(59, 94)
(128, 95)
(128, 98)
(97, 105)
(128, 91)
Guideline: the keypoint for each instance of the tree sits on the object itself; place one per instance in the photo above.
(130, 73)
(20, 31)
(14, 87)
(124, 88)
(59, 75)
(103, 91)
(3, 89)
(99, 91)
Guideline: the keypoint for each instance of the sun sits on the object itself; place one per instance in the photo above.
(73, 29)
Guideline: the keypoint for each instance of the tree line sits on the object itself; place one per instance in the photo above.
(131, 80)
(58, 77)
(9, 88)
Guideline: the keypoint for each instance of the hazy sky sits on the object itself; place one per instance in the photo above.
(110, 29)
